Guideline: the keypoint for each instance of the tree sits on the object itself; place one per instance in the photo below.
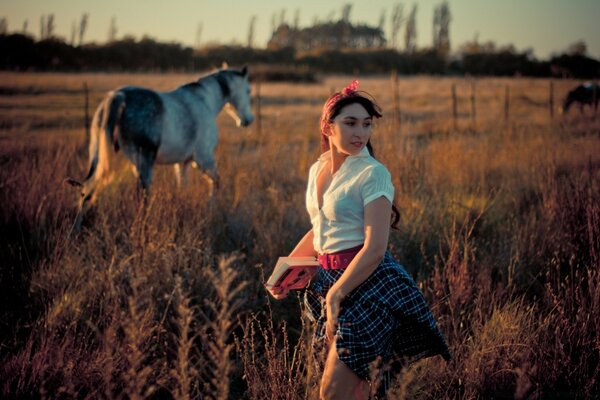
(50, 26)
(82, 27)
(251, 31)
(579, 48)
(273, 22)
(282, 17)
(46, 26)
(297, 19)
(112, 30)
(345, 26)
(73, 33)
(3, 26)
(198, 34)
(396, 23)
(441, 30)
(410, 37)
(346, 12)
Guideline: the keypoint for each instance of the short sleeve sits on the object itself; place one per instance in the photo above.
(376, 183)
(310, 202)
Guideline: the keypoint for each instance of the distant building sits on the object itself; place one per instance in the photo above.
(327, 36)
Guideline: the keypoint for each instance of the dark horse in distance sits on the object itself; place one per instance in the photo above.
(587, 93)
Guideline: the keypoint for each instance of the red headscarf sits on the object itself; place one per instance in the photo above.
(348, 91)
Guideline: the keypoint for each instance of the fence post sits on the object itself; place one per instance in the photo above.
(395, 95)
(506, 103)
(454, 109)
(258, 113)
(551, 99)
(86, 107)
(594, 96)
(473, 110)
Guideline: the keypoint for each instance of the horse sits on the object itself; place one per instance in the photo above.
(176, 127)
(587, 93)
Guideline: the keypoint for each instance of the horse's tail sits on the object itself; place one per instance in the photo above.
(113, 109)
(103, 131)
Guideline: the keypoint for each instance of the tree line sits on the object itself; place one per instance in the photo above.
(20, 52)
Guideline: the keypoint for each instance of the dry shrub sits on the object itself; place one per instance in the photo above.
(219, 320)
(500, 226)
(502, 345)
(569, 342)
(183, 372)
(274, 368)
(492, 359)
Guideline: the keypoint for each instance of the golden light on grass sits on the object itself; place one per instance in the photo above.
(500, 227)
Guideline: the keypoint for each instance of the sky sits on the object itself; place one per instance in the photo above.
(545, 26)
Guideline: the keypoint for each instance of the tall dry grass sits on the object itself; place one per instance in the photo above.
(500, 227)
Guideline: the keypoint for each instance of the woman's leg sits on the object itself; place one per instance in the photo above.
(339, 381)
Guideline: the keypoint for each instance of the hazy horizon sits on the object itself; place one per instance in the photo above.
(545, 26)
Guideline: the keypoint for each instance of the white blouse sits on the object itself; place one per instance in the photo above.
(339, 224)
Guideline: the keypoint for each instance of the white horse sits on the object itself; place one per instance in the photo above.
(176, 127)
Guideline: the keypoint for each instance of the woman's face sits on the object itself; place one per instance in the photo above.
(351, 129)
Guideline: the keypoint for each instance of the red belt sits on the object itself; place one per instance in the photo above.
(338, 260)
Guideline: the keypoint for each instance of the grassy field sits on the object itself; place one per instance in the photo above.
(500, 227)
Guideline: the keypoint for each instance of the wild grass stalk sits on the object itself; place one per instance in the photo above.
(500, 228)
(274, 368)
(184, 372)
(219, 319)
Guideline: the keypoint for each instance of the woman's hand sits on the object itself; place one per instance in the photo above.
(332, 308)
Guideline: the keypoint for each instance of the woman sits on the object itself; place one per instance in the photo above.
(366, 306)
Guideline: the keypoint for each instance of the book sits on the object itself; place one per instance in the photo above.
(291, 273)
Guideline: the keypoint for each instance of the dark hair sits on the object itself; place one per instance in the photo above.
(365, 100)
(357, 97)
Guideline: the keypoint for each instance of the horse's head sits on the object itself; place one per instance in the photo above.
(565, 106)
(84, 200)
(239, 105)
(571, 97)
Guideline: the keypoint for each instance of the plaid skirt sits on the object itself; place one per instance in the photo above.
(384, 319)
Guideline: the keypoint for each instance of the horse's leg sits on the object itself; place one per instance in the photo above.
(144, 163)
(208, 167)
(212, 178)
(177, 170)
(205, 162)
(209, 173)
(181, 174)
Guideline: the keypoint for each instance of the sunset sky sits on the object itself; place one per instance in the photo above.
(546, 26)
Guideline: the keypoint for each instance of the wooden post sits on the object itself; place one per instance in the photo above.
(551, 99)
(395, 95)
(594, 96)
(506, 103)
(86, 107)
(473, 110)
(454, 109)
(258, 113)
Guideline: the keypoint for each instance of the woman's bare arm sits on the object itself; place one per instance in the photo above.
(377, 231)
(305, 248)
